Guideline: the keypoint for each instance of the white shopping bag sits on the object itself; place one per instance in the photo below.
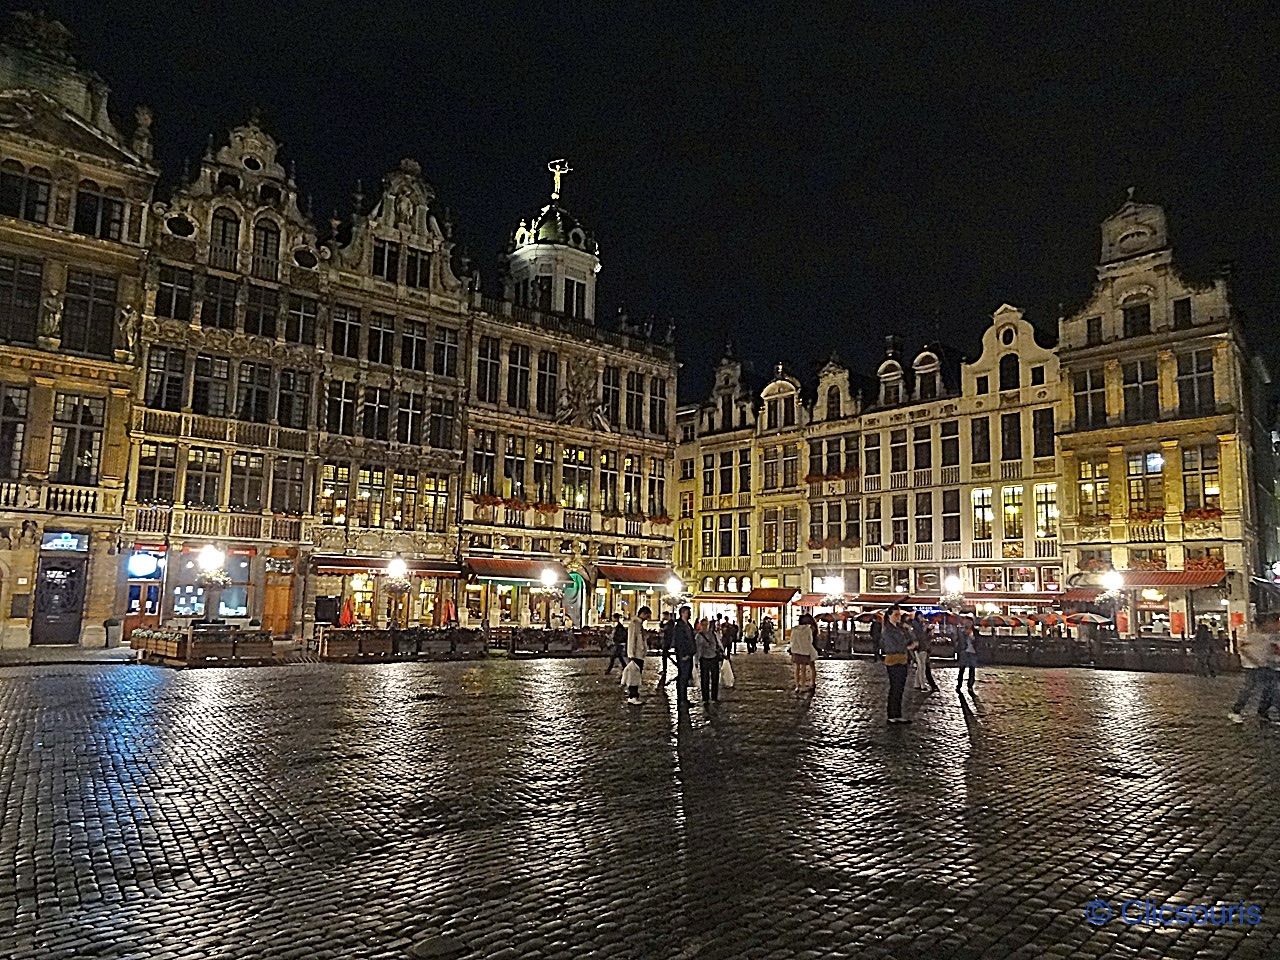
(631, 676)
(726, 673)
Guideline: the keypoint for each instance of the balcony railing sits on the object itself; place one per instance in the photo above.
(922, 478)
(266, 268)
(982, 549)
(900, 552)
(950, 475)
(871, 483)
(576, 327)
(898, 481)
(223, 258)
(1011, 470)
(1046, 548)
(790, 559)
(1146, 532)
(513, 517)
(86, 501)
(951, 551)
(924, 551)
(871, 554)
(577, 521)
(195, 426)
(634, 528)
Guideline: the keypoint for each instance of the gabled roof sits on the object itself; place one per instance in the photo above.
(37, 116)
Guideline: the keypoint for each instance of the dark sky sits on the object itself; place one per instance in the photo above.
(800, 177)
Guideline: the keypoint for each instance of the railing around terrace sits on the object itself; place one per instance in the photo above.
(575, 327)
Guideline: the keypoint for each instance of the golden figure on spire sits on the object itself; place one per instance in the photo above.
(558, 168)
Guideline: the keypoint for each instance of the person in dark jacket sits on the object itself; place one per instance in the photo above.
(1204, 645)
(710, 654)
(897, 643)
(684, 646)
(877, 632)
(665, 631)
(619, 655)
(966, 644)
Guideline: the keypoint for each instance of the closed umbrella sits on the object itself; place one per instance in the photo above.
(348, 615)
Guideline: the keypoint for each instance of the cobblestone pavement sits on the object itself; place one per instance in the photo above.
(520, 809)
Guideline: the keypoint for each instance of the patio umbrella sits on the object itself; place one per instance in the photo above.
(867, 617)
(1049, 619)
(994, 621)
(348, 615)
(1075, 619)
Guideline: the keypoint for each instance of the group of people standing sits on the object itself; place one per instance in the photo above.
(905, 637)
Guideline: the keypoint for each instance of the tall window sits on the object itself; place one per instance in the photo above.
(725, 539)
(204, 477)
(950, 431)
(635, 400)
(442, 414)
(871, 455)
(344, 331)
(414, 345)
(834, 520)
(1046, 504)
(445, 354)
(435, 502)
(709, 532)
(488, 363)
(1146, 482)
(951, 516)
(266, 250)
(1091, 399)
(980, 440)
(219, 308)
(924, 517)
(247, 479)
(873, 514)
(833, 403)
(411, 417)
(1010, 372)
(1042, 432)
(157, 472)
(293, 400)
(686, 503)
(404, 499)
(77, 443)
(770, 469)
(744, 534)
(898, 518)
(832, 462)
(769, 529)
(211, 390)
(921, 447)
(1182, 314)
(513, 460)
(631, 484)
(853, 522)
(89, 314)
(1011, 436)
(20, 283)
(1093, 491)
(790, 529)
(386, 260)
(609, 483)
(1093, 332)
(417, 268)
(13, 429)
(253, 392)
(166, 368)
(1012, 519)
(173, 293)
(99, 212)
(544, 467)
(334, 493)
(1141, 391)
(376, 415)
(744, 470)
(575, 478)
(371, 492)
(686, 546)
(1195, 384)
(518, 376)
(24, 195)
(224, 239)
(300, 324)
(1200, 484)
(382, 338)
(575, 297)
(612, 394)
(709, 474)
(484, 461)
(340, 407)
(260, 311)
(658, 406)
(287, 485)
(1137, 320)
(816, 465)
(548, 381)
(790, 464)
(982, 513)
(726, 471)
(897, 451)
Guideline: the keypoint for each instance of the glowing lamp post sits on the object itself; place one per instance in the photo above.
(212, 578)
(396, 582)
(1113, 591)
(548, 581)
(952, 593)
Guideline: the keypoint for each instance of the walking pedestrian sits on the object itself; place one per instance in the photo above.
(966, 645)
(710, 652)
(924, 643)
(726, 637)
(766, 633)
(803, 653)
(750, 633)
(1203, 645)
(684, 646)
(897, 644)
(637, 647)
(1258, 656)
(619, 641)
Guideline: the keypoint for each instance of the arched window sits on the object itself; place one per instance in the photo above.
(733, 584)
(746, 585)
(1010, 372)
(266, 250)
(99, 213)
(928, 385)
(892, 393)
(833, 403)
(706, 584)
(720, 585)
(24, 194)
(224, 239)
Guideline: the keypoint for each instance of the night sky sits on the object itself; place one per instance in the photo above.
(799, 178)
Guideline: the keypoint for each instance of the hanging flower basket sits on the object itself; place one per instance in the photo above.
(1202, 513)
(1205, 563)
(515, 503)
(1145, 516)
(547, 507)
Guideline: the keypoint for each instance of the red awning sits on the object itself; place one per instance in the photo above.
(813, 600)
(640, 576)
(341, 563)
(1014, 596)
(1173, 578)
(517, 571)
(1081, 595)
(889, 599)
(770, 596)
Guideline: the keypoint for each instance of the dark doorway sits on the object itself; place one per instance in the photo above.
(59, 600)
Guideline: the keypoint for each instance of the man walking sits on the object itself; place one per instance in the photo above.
(966, 644)
(668, 625)
(924, 673)
(1203, 645)
(766, 633)
(619, 641)
(684, 645)
(897, 644)
(637, 647)
(749, 634)
(1258, 657)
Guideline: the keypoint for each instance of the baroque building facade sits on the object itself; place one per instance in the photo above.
(1129, 469)
(213, 367)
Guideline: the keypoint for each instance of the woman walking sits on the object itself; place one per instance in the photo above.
(898, 644)
(710, 650)
(802, 654)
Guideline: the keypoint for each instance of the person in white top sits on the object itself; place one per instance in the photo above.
(637, 647)
(803, 654)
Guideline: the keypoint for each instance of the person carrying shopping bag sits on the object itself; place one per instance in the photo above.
(637, 647)
(710, 651)
(803, 654)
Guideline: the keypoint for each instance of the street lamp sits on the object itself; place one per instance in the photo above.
(548, 580)
(1113, 585)
(675, 586)
(212, 578)
(397, 584)
(953, 584)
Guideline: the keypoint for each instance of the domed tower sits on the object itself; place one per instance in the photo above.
(551, 263)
